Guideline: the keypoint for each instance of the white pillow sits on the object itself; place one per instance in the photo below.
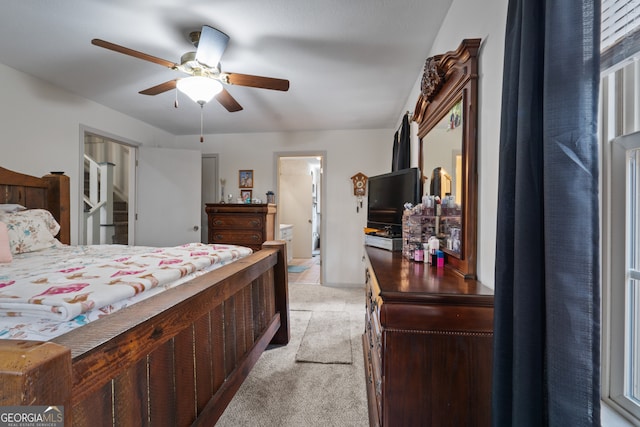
(11, 207)
(30, 230)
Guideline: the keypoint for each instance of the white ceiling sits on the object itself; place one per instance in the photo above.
(351, 63)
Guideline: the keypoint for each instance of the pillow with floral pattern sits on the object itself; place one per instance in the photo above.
(30, 230)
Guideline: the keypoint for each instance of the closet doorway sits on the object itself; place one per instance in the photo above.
(300, 195)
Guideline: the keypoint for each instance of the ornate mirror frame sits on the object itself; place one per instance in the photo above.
(447, 79)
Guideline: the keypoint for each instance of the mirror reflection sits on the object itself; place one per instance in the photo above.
(442, 166)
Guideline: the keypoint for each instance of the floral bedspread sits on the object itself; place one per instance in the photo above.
(47, 293)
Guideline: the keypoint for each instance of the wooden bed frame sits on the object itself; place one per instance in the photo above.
(175, 359)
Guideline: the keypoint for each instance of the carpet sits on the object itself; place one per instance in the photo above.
(296, 268)
(327, 339)
(284, 393)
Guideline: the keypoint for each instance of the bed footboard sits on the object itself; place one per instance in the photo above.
(175, 359)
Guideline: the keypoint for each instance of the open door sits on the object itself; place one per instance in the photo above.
(300, 185)
(296, 204)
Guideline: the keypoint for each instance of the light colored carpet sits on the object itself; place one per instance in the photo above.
(280, 392)
(327, 339)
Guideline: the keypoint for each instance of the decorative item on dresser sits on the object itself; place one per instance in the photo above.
(241, 224)
(245, 195)
(427, 344)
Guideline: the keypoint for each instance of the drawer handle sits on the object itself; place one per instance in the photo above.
(218, 236)
(254, 223)
(255, 238)
(217, 222)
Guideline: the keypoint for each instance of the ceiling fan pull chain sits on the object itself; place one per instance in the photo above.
(175, 104)
(201, 122)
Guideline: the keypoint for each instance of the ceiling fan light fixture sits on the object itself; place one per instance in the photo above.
(200, 89)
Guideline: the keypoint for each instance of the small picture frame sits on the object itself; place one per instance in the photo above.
(245, 178)
(245, 195)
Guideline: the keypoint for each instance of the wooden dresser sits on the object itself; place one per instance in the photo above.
(428, 344)
(241, 224)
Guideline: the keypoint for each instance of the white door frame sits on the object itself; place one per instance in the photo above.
(323, 195)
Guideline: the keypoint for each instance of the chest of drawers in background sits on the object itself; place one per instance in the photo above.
(241, 224)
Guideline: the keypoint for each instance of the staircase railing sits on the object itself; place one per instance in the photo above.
(99, 226)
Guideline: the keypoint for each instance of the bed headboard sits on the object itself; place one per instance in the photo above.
(50, 192)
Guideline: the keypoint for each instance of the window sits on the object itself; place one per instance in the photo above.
(622, 372)
(619, 19)
(620, 183)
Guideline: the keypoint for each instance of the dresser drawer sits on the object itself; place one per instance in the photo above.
(373, 398)
(373, 340)
(374, 355)
(235, 221)
(237, 237)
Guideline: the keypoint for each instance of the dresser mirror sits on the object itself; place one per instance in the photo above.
(442, 161)
(446, 113)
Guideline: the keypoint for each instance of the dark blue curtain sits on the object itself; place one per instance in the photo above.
(547, 301)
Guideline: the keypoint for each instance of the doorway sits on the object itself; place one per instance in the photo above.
(300, 188)
(108, 190)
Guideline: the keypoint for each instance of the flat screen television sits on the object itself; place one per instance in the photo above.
(387, 195)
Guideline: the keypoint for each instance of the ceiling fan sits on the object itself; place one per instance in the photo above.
(204, 65)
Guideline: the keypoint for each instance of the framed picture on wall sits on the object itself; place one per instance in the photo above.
(246, 196)
(245, 178)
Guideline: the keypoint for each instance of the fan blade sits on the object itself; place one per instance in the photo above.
(211, 46)
(161, 88)
(228, 101)
(134, 53)
(257, 81)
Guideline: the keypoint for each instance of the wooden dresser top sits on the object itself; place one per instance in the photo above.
(240, 207)
(402, 280)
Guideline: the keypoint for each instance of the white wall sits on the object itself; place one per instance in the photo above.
(347, 153)
(40, 130)
(486, 20)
